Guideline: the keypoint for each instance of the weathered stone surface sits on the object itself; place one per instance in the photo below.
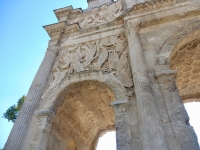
(109, 67)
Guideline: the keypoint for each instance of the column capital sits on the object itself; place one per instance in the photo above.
(167, 80)
(120, 107)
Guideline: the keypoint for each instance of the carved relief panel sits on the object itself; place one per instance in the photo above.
(97, 16)
(108, 54)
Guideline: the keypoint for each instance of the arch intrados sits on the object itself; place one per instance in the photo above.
(190, 40)
(72, 87)
(190, 37)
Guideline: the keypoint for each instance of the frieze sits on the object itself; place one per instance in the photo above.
(152, 5)
(160, 13)
(98, 16)
(108, 55)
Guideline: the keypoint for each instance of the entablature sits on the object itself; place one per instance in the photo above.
(152, 13)
(78, 23)
(63, 14)
(57, 30)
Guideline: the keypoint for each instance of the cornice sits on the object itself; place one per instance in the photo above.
(152, 6)
(66, 11)
(150, 13)
(55, 29)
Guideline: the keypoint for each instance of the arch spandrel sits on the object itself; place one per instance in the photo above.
(162, 56)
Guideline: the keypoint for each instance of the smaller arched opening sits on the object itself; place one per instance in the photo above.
(180, 52)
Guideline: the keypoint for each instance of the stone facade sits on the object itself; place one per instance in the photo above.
(126, 66)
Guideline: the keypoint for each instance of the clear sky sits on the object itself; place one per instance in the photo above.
(23, 43)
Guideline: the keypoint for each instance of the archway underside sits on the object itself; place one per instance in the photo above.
(185, 58)
(84, 114)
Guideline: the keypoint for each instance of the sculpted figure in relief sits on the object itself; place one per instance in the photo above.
(100, 15)
(108, 54)
(123, 72)
(88, 53)
(57, 74)
(74, 54)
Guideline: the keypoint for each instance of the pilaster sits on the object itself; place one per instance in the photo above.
(44, 120)
(183, 132)
(123, 127)
(149, 119)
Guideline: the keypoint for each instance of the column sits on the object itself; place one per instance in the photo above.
(149, 119)
(20, 128)
(122, 124)
(183, 132)
(42, 130)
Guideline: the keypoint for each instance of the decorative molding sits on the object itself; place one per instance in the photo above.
(166, 72)
(169, 44)
(153, 5)
(55, 29)
(67, 12)
(161, 13)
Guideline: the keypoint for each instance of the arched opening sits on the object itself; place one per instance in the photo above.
(83, 112)
(185, 58)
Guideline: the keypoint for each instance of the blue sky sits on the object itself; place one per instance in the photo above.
(23, 43)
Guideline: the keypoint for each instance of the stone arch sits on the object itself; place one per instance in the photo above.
(166, 56)
(63, 104)
(110, 80)
(162, 54)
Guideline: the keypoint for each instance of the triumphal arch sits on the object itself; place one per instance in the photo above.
(126, 65)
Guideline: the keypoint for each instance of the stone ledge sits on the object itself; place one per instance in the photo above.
(44, 112)
(118, 102)
(166, 72)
